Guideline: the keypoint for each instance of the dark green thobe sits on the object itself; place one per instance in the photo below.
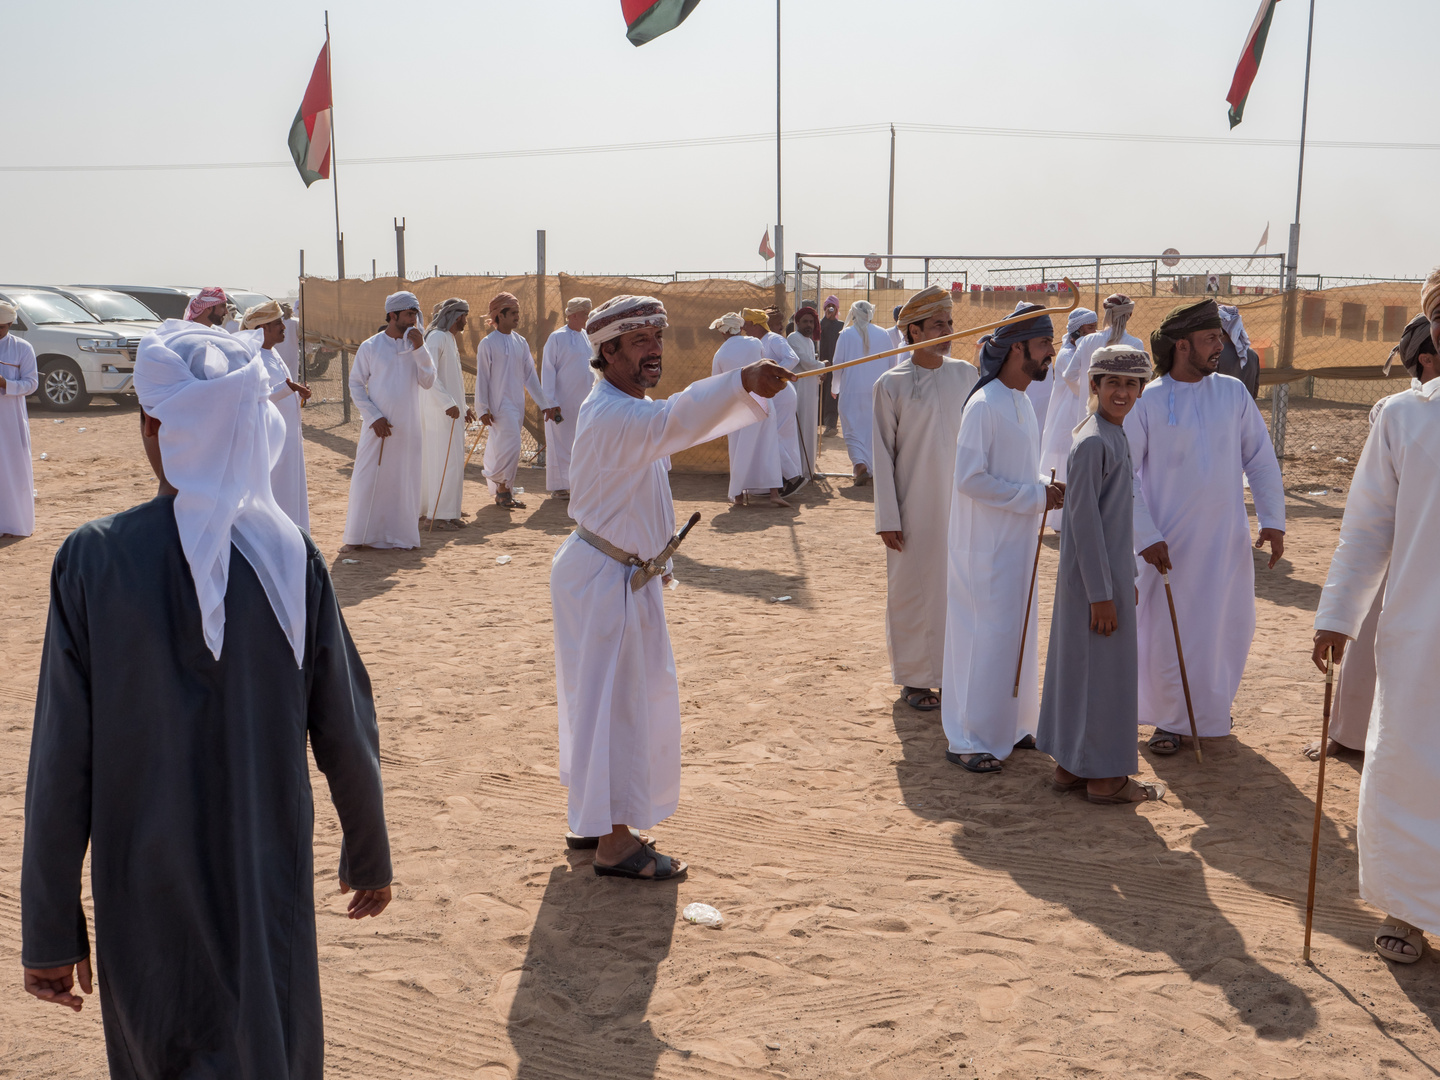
(188, 779)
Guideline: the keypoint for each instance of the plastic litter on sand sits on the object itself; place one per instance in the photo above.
(779, 599)
(44, 457)
(351, 562)
(502, 559)
(674, 584)
(702, 915)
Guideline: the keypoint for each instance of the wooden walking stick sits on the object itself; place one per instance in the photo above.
(1030, 596)
(1184, 679)
(370, 508)
(1319, 796)
(434, 509)
(971, 332)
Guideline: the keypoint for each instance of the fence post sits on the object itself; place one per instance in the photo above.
(1280, 397)
(927, 274)
(1154, 275)
(300, 303)
(1097, 284)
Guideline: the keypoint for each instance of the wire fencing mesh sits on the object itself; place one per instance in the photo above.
(1321, 349)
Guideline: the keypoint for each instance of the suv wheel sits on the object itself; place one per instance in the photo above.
(62, 386)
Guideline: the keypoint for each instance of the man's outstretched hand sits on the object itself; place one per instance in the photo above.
(766, 378)
(365, 902)
(57, 984)
(1276, 539)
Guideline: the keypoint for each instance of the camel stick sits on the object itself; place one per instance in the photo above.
(435, 507)
(1030, 596)
(1319, 796)
(471, 454)
(369, 509)
(1184, 679)
(1008, 321)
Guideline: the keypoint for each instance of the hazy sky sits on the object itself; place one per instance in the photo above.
(150, 81)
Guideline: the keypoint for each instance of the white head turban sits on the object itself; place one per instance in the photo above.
(1430, 295)
(1081, 316)
(219, 438)
(577, 303)
(622, 315)
(1235, 330)
(7, 313)
(1118, 309)
(401, 301)
(861, 312)
(732, 322)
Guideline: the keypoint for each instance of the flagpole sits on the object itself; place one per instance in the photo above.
(334, 158)
(779, 219)
(1300, 176)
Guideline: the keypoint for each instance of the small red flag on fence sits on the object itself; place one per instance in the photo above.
(766, 251)
(1250, 60)
(645, 20)
(310, 131)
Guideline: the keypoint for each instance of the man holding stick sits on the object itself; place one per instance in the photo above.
(1195, 437)
(1392, 516)
(442, 472)
(917, 411)
(391, 369)
(995, 515)
(807, 412)
(619, 701)
(786, 404)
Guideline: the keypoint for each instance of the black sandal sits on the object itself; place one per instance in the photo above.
(980, 764)
(1164, 736)
(508, 501)
(914, 695)
(632, 866)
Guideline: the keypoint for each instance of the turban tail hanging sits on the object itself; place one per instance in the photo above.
(1182, 321)
(1234, 327)
(444, 314)
(861, 312)
(1118, 309)
(994, 348)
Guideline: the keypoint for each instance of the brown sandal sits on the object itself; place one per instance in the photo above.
(1148, 791)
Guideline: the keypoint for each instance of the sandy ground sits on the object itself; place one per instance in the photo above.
(886, 914)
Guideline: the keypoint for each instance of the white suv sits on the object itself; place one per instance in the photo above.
(78, 354)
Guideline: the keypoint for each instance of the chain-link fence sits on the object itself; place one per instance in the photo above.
(339, 316)
(1321, 348)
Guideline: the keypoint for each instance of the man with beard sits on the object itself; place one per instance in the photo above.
(807, 413)
(210, 307)
(830, 327)
(619, 701)
(995, 514)
(1195, 437)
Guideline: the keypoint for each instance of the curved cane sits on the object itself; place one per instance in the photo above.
(971, 332)
(434, 509)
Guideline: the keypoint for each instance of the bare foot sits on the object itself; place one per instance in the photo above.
(776, 500)
(1312, 749)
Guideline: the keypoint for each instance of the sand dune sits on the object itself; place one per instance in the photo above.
(886, 914)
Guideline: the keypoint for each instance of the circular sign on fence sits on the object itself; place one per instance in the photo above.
(1170, 257)
(872, 262)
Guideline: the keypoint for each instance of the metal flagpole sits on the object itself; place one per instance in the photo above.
(1300, 176)
(779, 218)
(1280, 405)
(890, 226)
(334, 158)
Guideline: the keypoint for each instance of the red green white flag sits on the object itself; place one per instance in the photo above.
(310, 133)
(1250, 60)
(645, 20)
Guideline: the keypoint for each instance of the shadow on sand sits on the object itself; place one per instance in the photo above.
(593, 955)
(1109, 867)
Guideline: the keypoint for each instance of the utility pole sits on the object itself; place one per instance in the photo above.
(779, 217)
(399, 248)
(890, 228)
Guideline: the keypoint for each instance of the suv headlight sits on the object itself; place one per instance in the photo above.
(101, 345)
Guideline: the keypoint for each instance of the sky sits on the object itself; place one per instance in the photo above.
(155, 82)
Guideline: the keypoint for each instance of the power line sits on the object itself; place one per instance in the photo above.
(733, 140)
